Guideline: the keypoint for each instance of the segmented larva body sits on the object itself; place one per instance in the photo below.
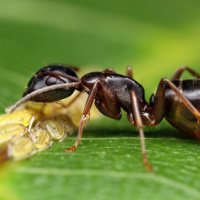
(34, 126)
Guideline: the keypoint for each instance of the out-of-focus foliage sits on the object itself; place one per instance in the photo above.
(155, 37)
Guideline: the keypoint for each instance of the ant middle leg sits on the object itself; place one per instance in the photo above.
(139, 123)
(179, 72)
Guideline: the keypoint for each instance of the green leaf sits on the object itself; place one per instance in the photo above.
(154, 37)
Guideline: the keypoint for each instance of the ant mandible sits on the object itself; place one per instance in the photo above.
(174, 99)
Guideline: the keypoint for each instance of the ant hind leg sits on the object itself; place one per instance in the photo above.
(179, 72)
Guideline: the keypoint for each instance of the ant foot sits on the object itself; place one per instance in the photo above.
(70, 149)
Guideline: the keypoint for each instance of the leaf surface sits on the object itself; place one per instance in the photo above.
(154, 38)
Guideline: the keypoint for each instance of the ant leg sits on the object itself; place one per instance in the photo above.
(109, 70)
(76, 69)
(179, 72)
(139, 123)
(158, 105)
(86, 111)
(129, 72)
(106, 109)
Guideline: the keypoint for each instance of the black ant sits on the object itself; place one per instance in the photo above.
(176, 100)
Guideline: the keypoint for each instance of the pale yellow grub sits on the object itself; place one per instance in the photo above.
(40, 138)
(23, 117)
(61, 107)
(55, 129)
(52, 121)
(75, 110)
(21, 148)
(36, 106)
(66, 123)
(53, 109)
(8, 131)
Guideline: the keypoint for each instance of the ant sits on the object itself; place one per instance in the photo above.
(176, 100)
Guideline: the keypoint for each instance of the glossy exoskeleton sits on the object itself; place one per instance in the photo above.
(175, 100)
(39, 81)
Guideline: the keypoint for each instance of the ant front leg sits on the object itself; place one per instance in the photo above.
(139, 123)
(107, 106)
(86, 111)
(179, 72)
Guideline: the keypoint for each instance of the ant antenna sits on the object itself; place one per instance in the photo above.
(42, 90)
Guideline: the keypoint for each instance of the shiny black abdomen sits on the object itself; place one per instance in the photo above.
(175, 111)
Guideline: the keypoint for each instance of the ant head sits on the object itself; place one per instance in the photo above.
(52, 77)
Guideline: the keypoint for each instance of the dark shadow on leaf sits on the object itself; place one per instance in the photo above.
(153, 133)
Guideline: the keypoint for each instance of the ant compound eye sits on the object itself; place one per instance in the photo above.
(51, 80)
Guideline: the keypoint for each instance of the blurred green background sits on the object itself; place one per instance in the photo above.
(155, 37)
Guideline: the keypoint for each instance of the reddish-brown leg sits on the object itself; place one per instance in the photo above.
(86, 111)
(129, 72)
(109, 70)
(138, 121)
(76, 69)
(108, 106)
(105, 109)
(179, 72)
